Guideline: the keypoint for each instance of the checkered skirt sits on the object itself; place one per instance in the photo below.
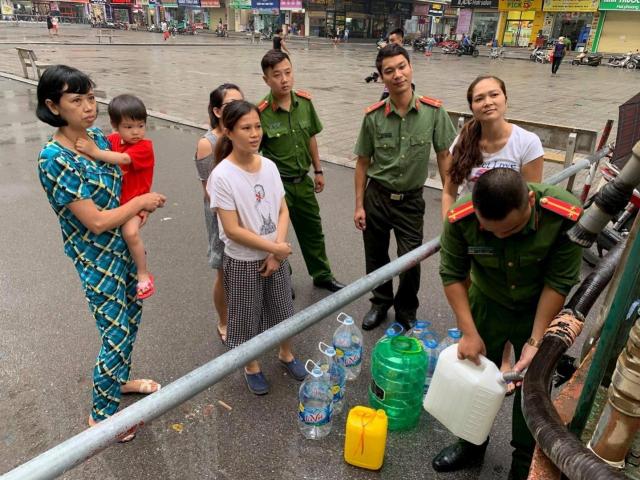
(255, 303)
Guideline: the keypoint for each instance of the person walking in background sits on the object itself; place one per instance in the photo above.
(290, 125)
(205, 161)
(55, 24)
(346, 35)
(393, 149)
(50, 25)
(559, 50)
(279, 43)
(84, 194)
(248, 195)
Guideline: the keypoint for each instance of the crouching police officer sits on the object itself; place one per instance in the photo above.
(393, 151)
(511, 238)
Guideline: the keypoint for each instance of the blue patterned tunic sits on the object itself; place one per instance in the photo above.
(102, 261)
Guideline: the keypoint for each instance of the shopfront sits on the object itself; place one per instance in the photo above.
(379, 23)
(266, 15)
(478, 18)
(421, 11)
(97, 11)
(399, 11)
(436, 16)
(292, 15)
(521, 21)
(213, 13)
(618, 29)
(571, 19)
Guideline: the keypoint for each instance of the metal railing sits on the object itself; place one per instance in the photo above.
(75, 450)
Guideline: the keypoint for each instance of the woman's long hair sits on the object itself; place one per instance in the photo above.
(230, 116)
(216, 99)
(467, 153)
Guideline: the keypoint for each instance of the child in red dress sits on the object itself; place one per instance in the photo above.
(134, 154)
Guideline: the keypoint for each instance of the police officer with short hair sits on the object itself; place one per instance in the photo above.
(393, 151)
(290, 125)
(510, 237)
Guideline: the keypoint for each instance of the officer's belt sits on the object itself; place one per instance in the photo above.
(396, 196)
(294, 180)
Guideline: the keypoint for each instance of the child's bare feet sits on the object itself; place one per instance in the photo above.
(142, 386)
(146, 286)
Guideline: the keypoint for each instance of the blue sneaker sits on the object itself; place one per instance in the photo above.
(257, 383)
(295, 369)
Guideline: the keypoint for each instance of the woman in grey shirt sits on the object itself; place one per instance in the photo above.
(205, 162)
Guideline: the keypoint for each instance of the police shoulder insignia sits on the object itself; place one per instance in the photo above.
(263, 105)
(374, 107)
(562, 208)
(434, 102)
(460, 212)
(303, 94)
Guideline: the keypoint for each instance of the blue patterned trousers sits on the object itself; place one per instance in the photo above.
(118, 316)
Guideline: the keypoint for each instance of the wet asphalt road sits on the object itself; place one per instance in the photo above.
(49, 340)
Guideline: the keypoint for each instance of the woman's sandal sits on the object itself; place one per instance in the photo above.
(124, 438)
(146, 288)
(143, 386)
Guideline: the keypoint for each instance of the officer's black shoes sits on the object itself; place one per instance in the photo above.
(330, 284)
(374, 317)
(460, 455)
(407, 321)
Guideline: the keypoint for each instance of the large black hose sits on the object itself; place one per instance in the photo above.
(587, 293)
(565, 450)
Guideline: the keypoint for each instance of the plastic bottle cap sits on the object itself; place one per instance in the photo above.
(317, 372)
(345, 319)
(422, 324)
(454, 333)
(328, 350)
(430, 343)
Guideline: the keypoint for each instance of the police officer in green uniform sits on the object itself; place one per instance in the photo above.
(393, 151)
(290, 125)
(510, 237)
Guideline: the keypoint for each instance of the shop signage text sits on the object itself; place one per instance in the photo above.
(521, 5)
(474, 3)
(189, 3)
(570, 5)
(241, 4)
(265, 4)
(620, 5)
(436, 10)
(290, 4)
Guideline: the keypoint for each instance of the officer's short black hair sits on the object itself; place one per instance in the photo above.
(279, 31)
(392, 50)
(498, 192)
(273, 58)
(54, 82)
(126, 106)
(397, 31)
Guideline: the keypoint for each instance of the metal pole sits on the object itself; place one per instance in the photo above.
(75, 450)
(568, 157)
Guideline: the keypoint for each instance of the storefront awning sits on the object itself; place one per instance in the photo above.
(210, 3)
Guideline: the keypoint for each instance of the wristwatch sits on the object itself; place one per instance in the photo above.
(319, 172)
(534, 343)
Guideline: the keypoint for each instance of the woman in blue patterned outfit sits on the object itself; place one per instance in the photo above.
(84, 194)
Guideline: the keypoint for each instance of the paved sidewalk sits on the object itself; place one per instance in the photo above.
(176, 78)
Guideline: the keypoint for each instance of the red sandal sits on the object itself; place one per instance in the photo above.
(146, 289)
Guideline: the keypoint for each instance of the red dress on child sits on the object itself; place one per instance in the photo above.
(138, 175)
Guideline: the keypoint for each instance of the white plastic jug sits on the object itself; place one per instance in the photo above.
(465, 397)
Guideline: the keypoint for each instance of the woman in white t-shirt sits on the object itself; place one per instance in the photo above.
(248, 196)
(488, 141)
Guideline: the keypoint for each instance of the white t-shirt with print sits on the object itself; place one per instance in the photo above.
(256, 197)
(521, 148)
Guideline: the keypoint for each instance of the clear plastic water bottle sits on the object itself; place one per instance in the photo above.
(418, 329)
(430, 345)
(453, 336)
(347, 340)
(314, 409)
(337, 375)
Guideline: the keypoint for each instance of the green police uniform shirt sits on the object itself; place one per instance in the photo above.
(513, 271)
(399, 147)
(286, 134)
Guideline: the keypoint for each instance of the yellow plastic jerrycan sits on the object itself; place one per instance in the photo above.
(366, 437)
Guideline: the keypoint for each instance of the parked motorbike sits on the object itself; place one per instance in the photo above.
(420, 45)
(620, 224)
(623, 61)
(449, 48)
(539, 55)
(470, 49)
(586, 58)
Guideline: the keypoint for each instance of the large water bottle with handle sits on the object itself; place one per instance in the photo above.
(453, 336)
(465, 397)
(347, 340)
(314, 407)
(336, 373)
(398, 369)
(430, 345)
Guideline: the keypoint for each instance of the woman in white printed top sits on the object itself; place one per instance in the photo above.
(488, 141)
(248, 196)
